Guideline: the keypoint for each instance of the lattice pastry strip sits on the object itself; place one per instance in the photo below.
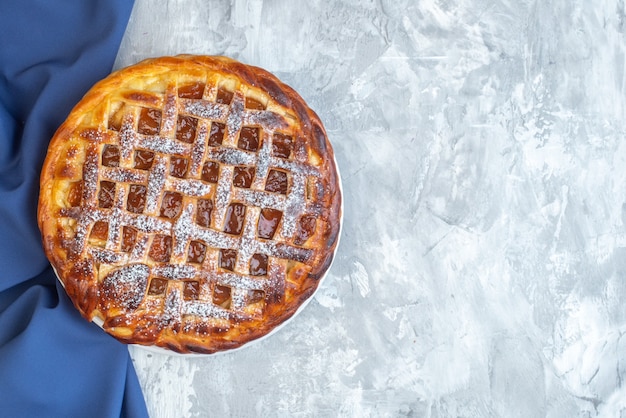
(190, 203)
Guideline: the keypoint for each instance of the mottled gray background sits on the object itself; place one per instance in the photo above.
(481, 267)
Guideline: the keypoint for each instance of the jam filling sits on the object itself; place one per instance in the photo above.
(157, 286)
(216, 136)
(254, 104)
(258, 265)
(149, 121)
(242, 176)
(191, 91)
(228, 258)
(191, 290)
(221, 296)
(210, 172)
(276, 182)
(111, 156)
(282, 145)
(100, 230)
(249, 138)
(196, 252)
(129, 236)
(224, 96)
(178, 166)
(136, 201)
(171, 205)
(161, 248)
(235, 215)
(143, 159)
(186, 129)
(106, 196)
(268, 223)
(203, 212)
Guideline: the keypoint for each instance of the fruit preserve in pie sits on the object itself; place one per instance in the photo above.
(190, 203)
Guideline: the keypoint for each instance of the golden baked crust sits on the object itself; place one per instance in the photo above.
(190, 202)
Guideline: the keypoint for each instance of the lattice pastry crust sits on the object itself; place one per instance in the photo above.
(190, 203)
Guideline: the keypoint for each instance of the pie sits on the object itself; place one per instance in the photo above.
(191, 203)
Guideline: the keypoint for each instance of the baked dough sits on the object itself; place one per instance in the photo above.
(190, 203)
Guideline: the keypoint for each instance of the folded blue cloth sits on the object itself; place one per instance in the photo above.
(52, 362)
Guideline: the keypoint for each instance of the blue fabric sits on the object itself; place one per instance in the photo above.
(52, 362)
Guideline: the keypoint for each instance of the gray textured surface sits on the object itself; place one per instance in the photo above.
(481, 267)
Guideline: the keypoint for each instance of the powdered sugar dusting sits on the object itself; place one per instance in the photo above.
(205, 310)
(237, 298)
(294, 167)
(199, 148)
(105, 256)
(175, 271)
(270, 120)
(248, 242)
(123, 175)
(156, 182)
(127, 285)
(223, 194)
(242, 282)
(183, 229)
(263, 162)
(232, 156)
(191, 187)
(170, 115)
(204, 109)
(163, 145)
(115, 223)
(148, 224)
(94, 134)
(127, 137)
(234, 120)
(90, 175)
(261, 199)
(173, 305)
(285, 251)
(295, 204)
